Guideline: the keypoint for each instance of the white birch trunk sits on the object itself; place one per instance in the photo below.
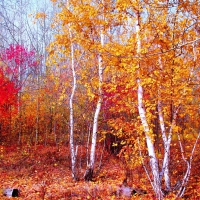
(72, 149)
(71, 140)
(141, 109)
(89, 171)
(165, 167)
(98, 108)
(71, 123)
(166, 142)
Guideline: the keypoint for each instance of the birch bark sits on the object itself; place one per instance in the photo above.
(89, 171)
(73, 152)
(142, 113)
(166, 142)
(72, 148)
(97, 111)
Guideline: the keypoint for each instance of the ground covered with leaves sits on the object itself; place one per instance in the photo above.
(43, 172)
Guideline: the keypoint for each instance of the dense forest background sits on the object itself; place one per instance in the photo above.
(101, 94)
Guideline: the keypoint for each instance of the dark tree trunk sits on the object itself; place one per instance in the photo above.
(88, 174)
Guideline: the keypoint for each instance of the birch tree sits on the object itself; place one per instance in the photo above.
(154, 55)
(165, 83)
(89, 171)
(141, 108)
(71, 117)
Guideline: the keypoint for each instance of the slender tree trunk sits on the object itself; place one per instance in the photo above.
(90, 169)
(37, 109)
(165, 168)
(20, 119)
(166, 142)
(72, 148)
(19, 107)
(73, 152)
(142, 113)
(96, 116)
(150, 145)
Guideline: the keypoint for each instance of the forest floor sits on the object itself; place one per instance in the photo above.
(43, 173)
